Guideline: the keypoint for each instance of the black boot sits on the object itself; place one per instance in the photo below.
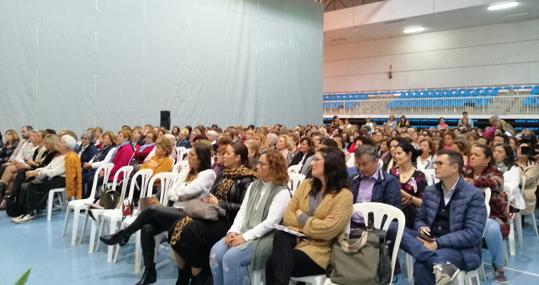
(118, 238)
(149, 276)
(203, 278)
(184, 276)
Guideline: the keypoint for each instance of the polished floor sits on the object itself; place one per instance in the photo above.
(38, 245)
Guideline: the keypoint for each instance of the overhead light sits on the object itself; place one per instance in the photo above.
(413, 30)
(502, 5)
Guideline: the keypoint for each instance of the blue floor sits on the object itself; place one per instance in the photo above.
(38, 245)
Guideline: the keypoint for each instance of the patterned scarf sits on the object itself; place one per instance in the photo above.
(230, 175)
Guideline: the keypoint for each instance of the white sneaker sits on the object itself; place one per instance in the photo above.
(17, 219)
(26, 218)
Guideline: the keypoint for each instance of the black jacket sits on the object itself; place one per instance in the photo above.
(234, 196)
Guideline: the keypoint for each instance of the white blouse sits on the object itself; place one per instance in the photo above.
(182, 191)
(275, 214)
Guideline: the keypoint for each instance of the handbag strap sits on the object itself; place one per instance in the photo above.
(354, 246)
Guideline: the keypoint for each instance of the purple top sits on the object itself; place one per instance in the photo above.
(364, 194)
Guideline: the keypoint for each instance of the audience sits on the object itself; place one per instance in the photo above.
(389, 161)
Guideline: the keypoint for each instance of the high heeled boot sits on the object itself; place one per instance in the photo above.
(184, 276)
(149, 276)
(120, 238)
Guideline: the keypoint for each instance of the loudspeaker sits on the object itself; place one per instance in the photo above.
(165, 120)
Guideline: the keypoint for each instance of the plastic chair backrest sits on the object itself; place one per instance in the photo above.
(431, 176)
(486, 191)
(126, 171)
(166, 179)
(179, 166)
(145, 175)
(106, 168)
(181, 152)
(295, 180)
(294, 169)
(383, 215)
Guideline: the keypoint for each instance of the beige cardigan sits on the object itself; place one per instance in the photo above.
(329, 220)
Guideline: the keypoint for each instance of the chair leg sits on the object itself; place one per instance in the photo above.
(66, 220)
(50, 202)
(534, 225)
(86, 217)
(518, 227)
(138, 253)
(91, 247)
(76, 214)
(410, 269)
(110, 248)
(511, 238)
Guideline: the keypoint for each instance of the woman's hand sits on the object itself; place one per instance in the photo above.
(211, 199)
(237, 240)
(87, 166)
(31, 174)
(229, 237)
(406, 199)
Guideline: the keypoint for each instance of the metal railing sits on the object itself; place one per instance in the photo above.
(513, 105)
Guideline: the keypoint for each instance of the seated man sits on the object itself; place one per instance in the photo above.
(371, 184)
(438, 242)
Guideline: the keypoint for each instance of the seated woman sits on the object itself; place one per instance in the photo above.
(305, 150)
(34, 194)
(160, 161)
(482, 173)
(320, 208)
(104, 154)
(512, 174)
(157, 219)
(530, 172)
(192, 239)
(412, 181)
(87, 149)
(142, 151)
(17, 167)
(285, 147)
(249, 240)
(426, 159)
(123, 155)
(11, 142)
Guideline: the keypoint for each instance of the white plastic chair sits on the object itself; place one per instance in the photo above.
(181, 151)
(294, 169)
(295, 180)
(431, 176)
(114, 216)
(383, 213)
(166, 179)
(50, 202)
(77, 206)
(531, 215)
(178, 166)
(125, 171)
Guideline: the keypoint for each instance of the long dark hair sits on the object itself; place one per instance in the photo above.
(487, 152)
(334, 171)
(509, 160)
(241, 150)
(203, 152)
(408, 148)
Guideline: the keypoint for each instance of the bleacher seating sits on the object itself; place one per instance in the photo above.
(533, 99)
(442, 98)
